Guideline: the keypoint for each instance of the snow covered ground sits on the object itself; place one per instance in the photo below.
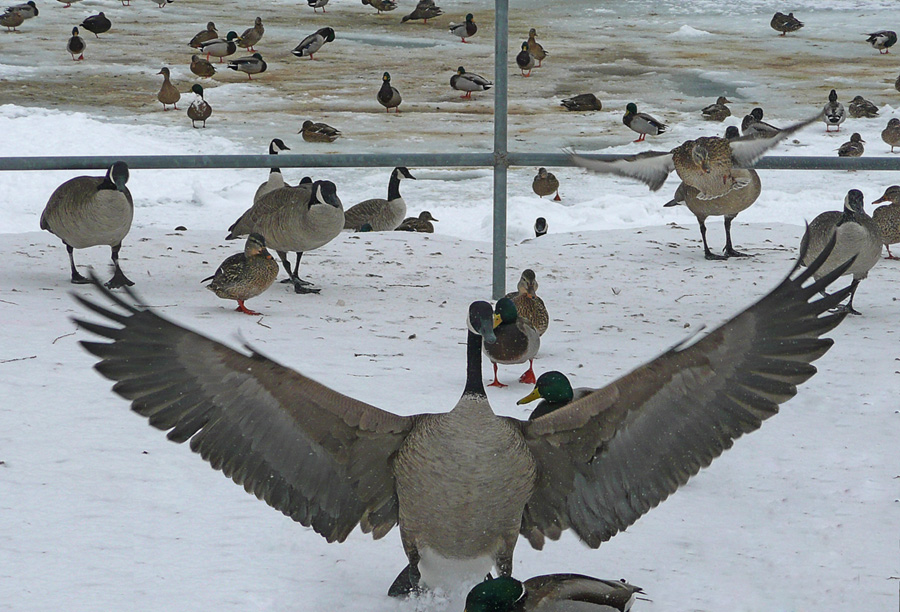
(98, 511)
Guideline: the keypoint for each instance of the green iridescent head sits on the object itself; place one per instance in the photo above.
(631, 108)
(552, 386)
(495, 595)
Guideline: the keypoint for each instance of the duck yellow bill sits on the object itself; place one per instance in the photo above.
(497, 320)
(530, 397)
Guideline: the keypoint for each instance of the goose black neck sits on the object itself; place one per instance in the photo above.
(848, 217)
(474, 382)
(275, 171)
(107, 183)
(394, 186)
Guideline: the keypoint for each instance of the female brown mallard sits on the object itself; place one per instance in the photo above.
(203, 36)
(517, 341)
(785, 23)
(422, 223)
(464, 484)
(545, 183)
(199, 110)
(582, 102)
(318, 132)
(12, 20)
(425, 10)
(859, 107)
(853, 147)
(168, 93)
(382, 6)
(527, 302)
(887, 218)
(245, 275)
(705, 163)
(717, 111)
(891, 134)
(202, 67)
(534, 47)
(251, 36)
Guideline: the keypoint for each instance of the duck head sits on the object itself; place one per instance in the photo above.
(757, 113)
(197, 89)
(631, 108)
(470, 17)
(386, 77)
(495, 595)
(700, 156)
(832, 96)
(74, 31)
(855, 137)
(525, 46)
(426, 216)
(552, 386)
(505, 312)
(732, 132)
(232, 36)
(722, 100)
(327, 34)
(528, 283)
(164, 71)
(460, 70)
(256, 245)
(891, 194)
(481, 321)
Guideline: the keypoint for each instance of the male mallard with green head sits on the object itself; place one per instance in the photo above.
(199, 110)
(517, 341)
(525, 60)
(388, 96)
(552, 592)
(556, 391)
(887, 218)
(312, 43)
(245, 275)
(253, 64)
(466, 29)
(642, 123)
(76, 46)
(833, 113)
(220, 47)
(469, 82)
(882, 40)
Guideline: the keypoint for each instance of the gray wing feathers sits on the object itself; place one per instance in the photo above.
(746, 150)
(651, 168)
(606, 459)
(317, 456)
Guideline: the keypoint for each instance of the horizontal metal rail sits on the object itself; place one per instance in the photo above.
(417, 160)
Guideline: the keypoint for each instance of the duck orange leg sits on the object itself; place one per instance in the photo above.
(496, 382)
(528, 376)
(244, 309)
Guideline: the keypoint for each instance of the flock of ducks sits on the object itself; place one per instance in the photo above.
(590, 460)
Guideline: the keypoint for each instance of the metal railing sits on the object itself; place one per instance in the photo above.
(500, 158)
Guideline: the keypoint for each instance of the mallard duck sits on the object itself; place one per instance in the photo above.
(317, 4)
(89, 211)
(382, 215)
(298, 219)
(254, 64)
(12, 20)
(552, 592)
(545, 183)
(582, 102)
(540, 227)
(199, 110)
(382, 6)
(97, 24)
(706, 163)
(642, 123)
(717, 111)
(517, 341)
(422, 223)
(856, 237)
(251, 36)
(754, 127)
(891, 134)
(245, 275)
(425, 10)
(882, 40)
(785, 23)
(67, 3)
(210, 33)
(162, 3)
(525, 60)
(469, 82)
(555, 391)
(312, 43)
(528, 305)
(220, 47)
(318, 132)
(853, 147)
(202, 67)
(168, 93)
(860, 107)
(887, 218)
(468, 481)
(388, 96)
(466, 29)
(897, 83)
(833, 112)
(28, 9)
(76, 46)
(275, 180)
(534, 47)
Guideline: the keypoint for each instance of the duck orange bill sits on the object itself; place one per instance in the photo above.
(497, 320)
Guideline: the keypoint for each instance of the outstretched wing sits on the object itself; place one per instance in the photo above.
(746, 150)
(608, 458)
(651, 167)
(319, 457)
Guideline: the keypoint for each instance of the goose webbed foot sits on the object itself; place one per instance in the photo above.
(302, 286)
(848, 308)
(78, 279)
(406, 583)
(295, 281)
(713, 257)
(729, 252)
(118, 281)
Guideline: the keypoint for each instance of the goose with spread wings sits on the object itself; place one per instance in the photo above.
(464, 484)
(705, 163)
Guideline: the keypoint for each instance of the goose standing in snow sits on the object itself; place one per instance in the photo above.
(382, 215)
(90, 211)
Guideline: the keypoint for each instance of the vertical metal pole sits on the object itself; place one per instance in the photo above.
(501, 79)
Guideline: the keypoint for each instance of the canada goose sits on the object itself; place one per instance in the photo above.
(891, 134)
(199, 110)
(717, 111)
(251, 36)
(318, 132)
(422, 223)
(276, 179)
(833, 113)
(642, 123)
(582, 102)
(887, 218)
(535, 48)
(754, 127)
(388, 96)
(882, 40)
(855, 235)
(551, 592)
(705, 163)
(545, 183)
(785, 23)
(245, 275)
(254, 64)
(469, 82)
(528, 304)
(168, 93)
(853, 147)
(298, 219)
(381, 5)
(517, 341)
(76, 45)
(525, 60)
(464, 484)
(540, 227)
(382, 215)
(89, 211)
(97, 24)
(220, 47)
(466, 29)
(555, 391)
(860, 107)
(312, 43)
(425, 10)
(202, 67)
(203, 36)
